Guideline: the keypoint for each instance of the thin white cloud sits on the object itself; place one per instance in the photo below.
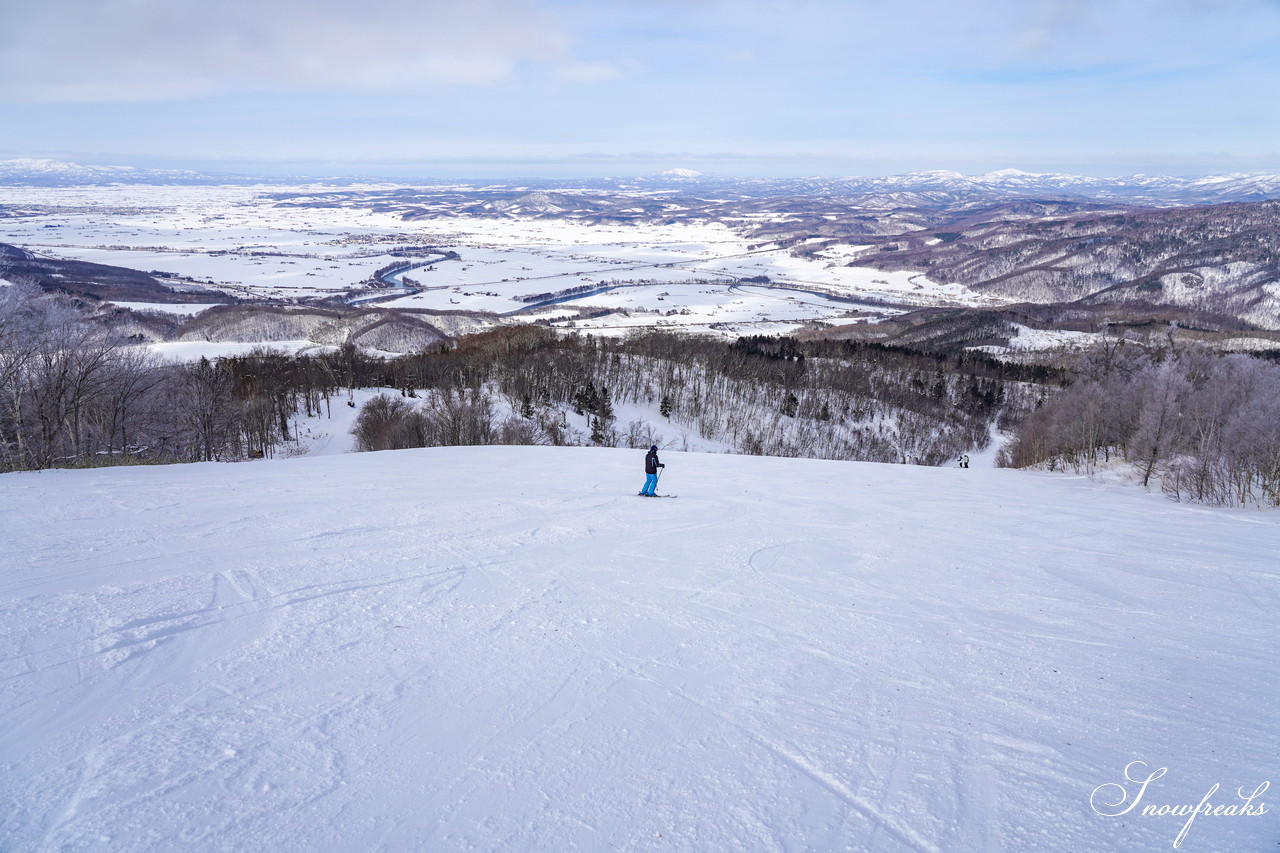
(137, 50)
(588, 72)
(925, 83)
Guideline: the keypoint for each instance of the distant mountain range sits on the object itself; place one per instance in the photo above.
(945, 189)
(914, 189)
(55, 173)
(1133, 188)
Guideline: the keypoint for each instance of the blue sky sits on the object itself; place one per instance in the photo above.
(562, 87)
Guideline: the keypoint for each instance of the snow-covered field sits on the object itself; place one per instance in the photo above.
(239, 240)
(1028, 339)
(196, 350)
(185, 309)
(504, 649)
(233, 239)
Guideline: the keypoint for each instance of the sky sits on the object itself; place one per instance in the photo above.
(492, 88)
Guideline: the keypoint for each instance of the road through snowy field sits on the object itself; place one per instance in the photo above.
(502, 649)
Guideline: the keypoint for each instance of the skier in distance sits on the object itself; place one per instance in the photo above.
(651, 466)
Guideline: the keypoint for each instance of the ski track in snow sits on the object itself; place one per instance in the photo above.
(501, 649)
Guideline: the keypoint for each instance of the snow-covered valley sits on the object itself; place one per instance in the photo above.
(504, 649)
(243, 242)
(608, 261)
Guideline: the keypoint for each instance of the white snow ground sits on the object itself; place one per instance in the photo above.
(196, 350)
(502, 649)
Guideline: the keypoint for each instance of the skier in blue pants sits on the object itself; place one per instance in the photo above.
(651, 466)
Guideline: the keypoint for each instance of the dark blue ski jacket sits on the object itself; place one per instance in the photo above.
(651, 463)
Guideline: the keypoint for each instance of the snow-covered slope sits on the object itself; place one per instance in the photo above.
(504, 649)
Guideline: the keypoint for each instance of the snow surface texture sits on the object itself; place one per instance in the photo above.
(504, 649)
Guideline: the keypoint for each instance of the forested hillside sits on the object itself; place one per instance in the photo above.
(1220, 259)
(74, 393)
(766, 396)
